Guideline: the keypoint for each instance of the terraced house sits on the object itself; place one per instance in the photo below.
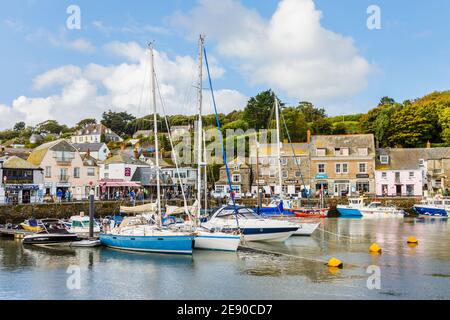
(343, 164)
(65, 169)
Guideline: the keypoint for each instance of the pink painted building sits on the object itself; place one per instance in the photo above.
(399, 172)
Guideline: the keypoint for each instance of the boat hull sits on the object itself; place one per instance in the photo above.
(306, 229)
(430, 211)
(377, 214)
(268, 234)
(46, 239)
(153, 244)
(217, 241)
(349, 212)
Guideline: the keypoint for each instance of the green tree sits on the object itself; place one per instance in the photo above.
(296, 125)
(51, 126)
(19, 126)
(321, 126)
(85, 122)
(339, 128)
(258, 111)
(118, 122)
(310, 112)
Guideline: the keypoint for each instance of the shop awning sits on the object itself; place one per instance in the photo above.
(119, 183)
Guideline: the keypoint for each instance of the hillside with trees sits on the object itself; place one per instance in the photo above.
(411, 123)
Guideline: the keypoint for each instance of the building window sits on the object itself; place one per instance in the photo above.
(383, 175)
(384, 159)
(337, 151)
(284, 161)
(362, 168)
(338, 168)
(272, 174)
(321, 152)
(345, 151)
(344, 168)
(363, 151)
(76, 173)
(362, 186)
(106, 176)
(48, 172)
(91, 172)
(410, 189)
(285, 174)
(321, 168)
(298, 174)
(411, 174)
(421, 163)
(106, 166)
(236, 178)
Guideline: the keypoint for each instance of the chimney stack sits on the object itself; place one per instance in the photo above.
(309, 137)
(428, 144)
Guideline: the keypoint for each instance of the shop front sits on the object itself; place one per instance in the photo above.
(22, 194)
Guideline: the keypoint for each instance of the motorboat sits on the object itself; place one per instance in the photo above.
(53, 232)
(352, 209)
(252, 226)
(377, 210)
(215, 239)
(35, 225)
(433, 207)
(80, 225)
(310, 212)
(137, 234)
(304, 228)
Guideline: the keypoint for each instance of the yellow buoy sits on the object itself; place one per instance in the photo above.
(412, 240)
(336, 263)
(374, 248)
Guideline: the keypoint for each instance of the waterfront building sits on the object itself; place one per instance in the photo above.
(399, 172)
(22, 182)
(187, 175)
(295, 168)
(65, 170)
(241, 178)
(116, 174)
(97, 150)
(437, 163)
(343, 165)
(95, 133)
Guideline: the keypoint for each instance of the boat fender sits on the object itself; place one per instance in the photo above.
(375, 248)
(336, 263)
(412, 240)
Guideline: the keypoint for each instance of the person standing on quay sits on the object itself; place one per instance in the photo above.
(59, 195)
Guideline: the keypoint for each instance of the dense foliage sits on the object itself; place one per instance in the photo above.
(412, 123)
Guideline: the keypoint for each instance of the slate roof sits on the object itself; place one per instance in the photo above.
(85, 147)
(351, 141)
(38, 154)
(124, 158)
(408, 159)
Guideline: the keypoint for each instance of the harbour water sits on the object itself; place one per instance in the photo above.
(297, 271)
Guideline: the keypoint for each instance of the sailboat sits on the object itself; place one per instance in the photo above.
(208, 238)
(140, 234)
(276, 209)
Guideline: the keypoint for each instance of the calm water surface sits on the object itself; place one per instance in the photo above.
(407, 272)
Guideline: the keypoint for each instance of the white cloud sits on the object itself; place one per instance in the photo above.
(89, 91)
(290, 52)
(61, 40)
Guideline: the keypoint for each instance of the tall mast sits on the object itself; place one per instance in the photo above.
(205, 171)
(277, 115)
(155, 130)
(257, 172)
(200, 125)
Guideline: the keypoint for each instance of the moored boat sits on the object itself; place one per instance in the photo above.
(53, 232)
(431, 207)
(80, 225)
(252, 226)
(352, 209)
(377, 210)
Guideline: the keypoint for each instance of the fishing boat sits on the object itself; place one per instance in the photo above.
(80, 225)
(140, 234)
(376, 210)
(310, 213)
(252, 226)
(53, 232)
(433, 207)
(352, 209)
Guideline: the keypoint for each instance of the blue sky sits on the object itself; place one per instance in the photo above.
(407, 58)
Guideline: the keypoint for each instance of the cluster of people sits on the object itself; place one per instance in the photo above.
(62, 195)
